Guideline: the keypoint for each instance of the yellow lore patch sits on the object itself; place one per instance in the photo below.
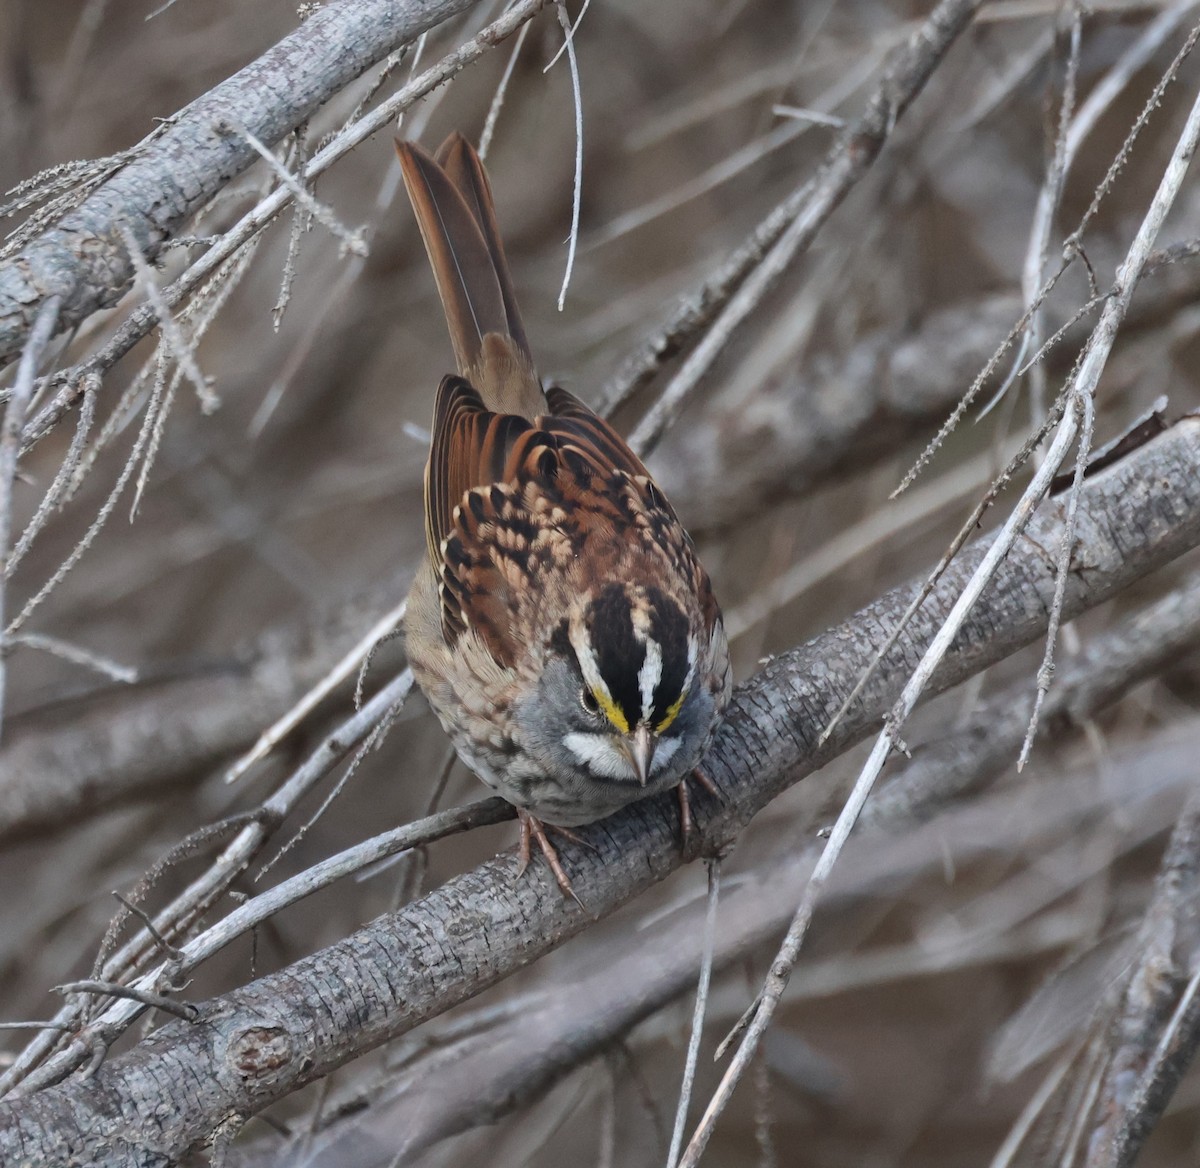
(671, 714)
(612, 711)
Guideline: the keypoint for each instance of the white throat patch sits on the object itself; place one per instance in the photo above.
(596, 753)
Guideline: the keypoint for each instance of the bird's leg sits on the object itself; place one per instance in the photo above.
(701, 777)
(687, 824)
(532, 829)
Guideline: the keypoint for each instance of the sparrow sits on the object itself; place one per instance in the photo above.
(561, 625)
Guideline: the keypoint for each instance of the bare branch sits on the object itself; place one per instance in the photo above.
(415, 967)
(142, 997)
(1154, 1034)
(233, 240)
(501, 1070)
(10, 449)
(577, 186)
(693, 1050)
(748, 274)
(56, 769)
(1077, 420)
(175, 171)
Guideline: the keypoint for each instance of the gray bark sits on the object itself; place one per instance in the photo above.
(175, 170)
(72, 760)
(1143, 1072)
(257, 1044)
(588, 1010)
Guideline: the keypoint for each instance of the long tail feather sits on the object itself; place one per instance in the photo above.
(452, 200)
(462, 264)
(464, 169)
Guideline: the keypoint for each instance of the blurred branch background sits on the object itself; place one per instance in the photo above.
(957, 969)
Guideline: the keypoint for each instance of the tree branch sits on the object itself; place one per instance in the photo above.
(67, 763)
(793, 435)
(509, 1065)
(259, 1043)
(176, 169)
(1154, 1034)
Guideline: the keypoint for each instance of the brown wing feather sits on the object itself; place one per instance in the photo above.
(475, 447)
(496, 546)
(488, 466)
(470, 448)
(573, 422)
(576, 423)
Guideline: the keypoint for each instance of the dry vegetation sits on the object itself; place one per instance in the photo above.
(1002, 968)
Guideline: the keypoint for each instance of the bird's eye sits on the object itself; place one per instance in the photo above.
(588, 700)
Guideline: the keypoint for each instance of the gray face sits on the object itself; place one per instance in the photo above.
(570, 733)
(621, 702)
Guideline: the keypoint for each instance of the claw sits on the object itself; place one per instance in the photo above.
(532, 829)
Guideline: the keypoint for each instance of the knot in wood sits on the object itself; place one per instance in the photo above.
(259, 1053)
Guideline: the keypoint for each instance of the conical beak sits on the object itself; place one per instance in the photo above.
(638, 748)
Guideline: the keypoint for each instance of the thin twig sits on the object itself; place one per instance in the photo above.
(1066, 547)
(10, 449)
(135, 994)
(351, 241)
(577, 186)
(377, 734)
(77, 655)
(63, 176)
(142, 321)
(47, 1025)
(493, 114)
(106, 508)
(564, 47)
(722, 171)
(693, 1050)
(301, 222)
(1049, 198)
(848, 160)
(64, 475)
(808, 115)
(180, 347)
(281, 727)
(165, 946)
(1152, 105)
(74, 181)
(1084, 383)
(971, 523)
